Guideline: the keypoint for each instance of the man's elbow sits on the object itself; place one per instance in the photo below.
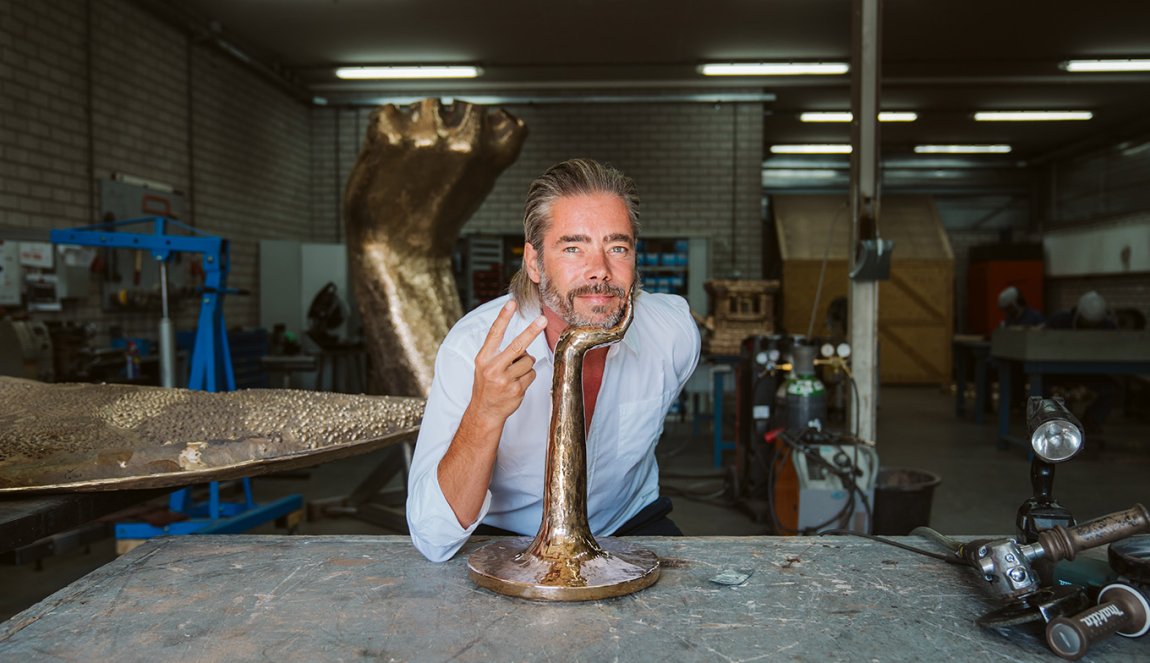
(430, 542)
(437, 554)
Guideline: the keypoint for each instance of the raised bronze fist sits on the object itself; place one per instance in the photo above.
(423, 171)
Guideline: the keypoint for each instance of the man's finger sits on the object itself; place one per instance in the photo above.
(520, 343)
(498, 329)
(521, 366)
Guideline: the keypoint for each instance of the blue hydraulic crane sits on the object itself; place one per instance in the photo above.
(211, 365)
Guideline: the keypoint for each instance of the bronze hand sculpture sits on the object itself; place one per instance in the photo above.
(564, 562)
(422, 172)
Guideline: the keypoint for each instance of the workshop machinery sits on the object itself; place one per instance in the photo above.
(25, 349)
(210, 366)
(1030, 574)
(794, 469)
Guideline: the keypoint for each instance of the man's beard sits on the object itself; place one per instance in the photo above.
(565, 305)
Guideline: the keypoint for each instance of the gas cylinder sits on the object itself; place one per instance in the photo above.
(806, 396)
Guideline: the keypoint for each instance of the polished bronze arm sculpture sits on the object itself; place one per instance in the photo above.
(423, 170)
(564, 562)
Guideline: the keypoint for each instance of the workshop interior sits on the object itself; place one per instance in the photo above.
(914, 238)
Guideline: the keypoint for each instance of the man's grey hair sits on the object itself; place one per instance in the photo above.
(576, 177)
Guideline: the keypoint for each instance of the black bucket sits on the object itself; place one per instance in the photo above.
(902, 500)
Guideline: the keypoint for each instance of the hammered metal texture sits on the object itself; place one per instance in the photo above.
(564, 562)
(423, 170)
(104, 437)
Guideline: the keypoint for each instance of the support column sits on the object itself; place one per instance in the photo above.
(866, 56)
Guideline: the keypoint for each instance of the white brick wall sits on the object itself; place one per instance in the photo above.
(244, 162)
(690, 165)
(42, 114)
(256, 163)
(139, 96)
(1125, 291)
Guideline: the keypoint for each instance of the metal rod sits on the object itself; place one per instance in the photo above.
(167, 334)
(938, 537)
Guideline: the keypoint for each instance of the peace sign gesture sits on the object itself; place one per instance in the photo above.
(503, 376)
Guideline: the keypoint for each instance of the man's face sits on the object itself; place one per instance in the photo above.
(588, 262)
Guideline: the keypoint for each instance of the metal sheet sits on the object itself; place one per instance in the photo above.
(62, 437)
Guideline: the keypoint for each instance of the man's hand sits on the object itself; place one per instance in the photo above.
(502, 377)
(501, 380)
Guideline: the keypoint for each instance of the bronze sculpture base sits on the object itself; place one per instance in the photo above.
(505, 567)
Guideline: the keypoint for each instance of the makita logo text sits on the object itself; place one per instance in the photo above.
(1102, 616)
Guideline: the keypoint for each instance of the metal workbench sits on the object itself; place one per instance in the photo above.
(1045, 351)
(330, 598)
(26, 519)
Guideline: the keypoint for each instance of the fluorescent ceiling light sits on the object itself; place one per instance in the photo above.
(774, 69)
(801, 173)
(1106, 65)
(826, 116)
(1031, 116)
(962, 149)
(839, 148)
(372, 73)
(846, 116)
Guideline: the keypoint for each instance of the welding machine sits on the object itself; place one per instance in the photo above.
(822, 481)
(798, 474)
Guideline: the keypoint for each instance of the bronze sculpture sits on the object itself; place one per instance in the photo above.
(564, 562)
(109, 437)
(423, 170)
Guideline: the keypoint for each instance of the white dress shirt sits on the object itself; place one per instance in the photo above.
(644, 373)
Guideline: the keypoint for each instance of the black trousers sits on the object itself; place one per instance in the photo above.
(652, 520)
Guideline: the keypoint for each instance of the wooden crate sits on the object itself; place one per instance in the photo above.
(916, 306)
(738, 308)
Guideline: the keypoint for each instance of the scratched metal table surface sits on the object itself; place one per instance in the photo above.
(334, 598)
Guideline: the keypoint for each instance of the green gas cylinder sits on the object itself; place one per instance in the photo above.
(806, 396)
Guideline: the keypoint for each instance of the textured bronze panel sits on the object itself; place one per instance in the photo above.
(106, 437)
(422, 172)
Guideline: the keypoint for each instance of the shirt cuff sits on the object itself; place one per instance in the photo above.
(435, 530)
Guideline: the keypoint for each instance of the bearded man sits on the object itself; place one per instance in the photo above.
(480, 458)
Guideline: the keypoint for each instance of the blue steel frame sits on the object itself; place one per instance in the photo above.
(211, 367)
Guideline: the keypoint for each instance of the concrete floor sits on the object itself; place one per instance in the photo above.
(982, 485)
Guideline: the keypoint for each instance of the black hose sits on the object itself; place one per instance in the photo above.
(945, 558)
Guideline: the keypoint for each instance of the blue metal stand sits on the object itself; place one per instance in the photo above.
(719, 373)
(211, 369)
